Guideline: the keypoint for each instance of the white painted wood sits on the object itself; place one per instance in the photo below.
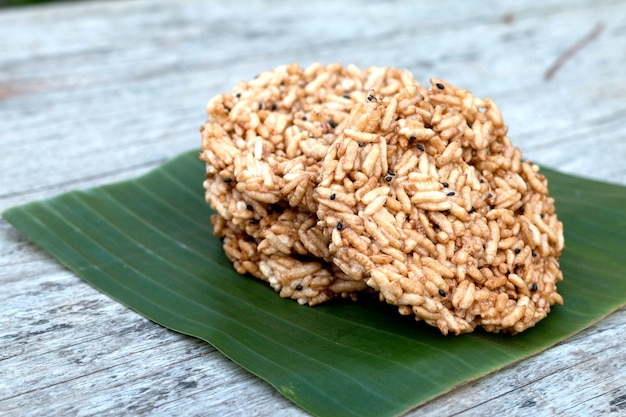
(102, 91)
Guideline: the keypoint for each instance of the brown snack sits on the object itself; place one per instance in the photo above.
(306, 280)
(327, 178)
(263, 145)
(439, 213)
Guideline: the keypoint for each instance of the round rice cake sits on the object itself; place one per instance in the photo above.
(303, 278)
(439, 213)
(267, 137)
(263, 144)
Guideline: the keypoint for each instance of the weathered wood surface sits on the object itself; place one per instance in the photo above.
(96, 92)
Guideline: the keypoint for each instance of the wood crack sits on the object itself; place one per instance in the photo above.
(573, 50)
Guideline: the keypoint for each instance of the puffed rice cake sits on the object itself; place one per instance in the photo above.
(329, 181)
(441, 215)
(263, 145)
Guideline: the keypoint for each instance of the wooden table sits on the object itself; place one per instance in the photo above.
(97, 92)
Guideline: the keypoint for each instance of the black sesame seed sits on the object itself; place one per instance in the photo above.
(253, 221)
(249, 207)
(238, 95)
(391, 172)
(440, 86)
(228, 179)
(445, 184)
(304, 118)
(472, 210)
(412, 138)
(274, 106)
(371, 97)
(299, 287)
(517, 250)
(332, 123)
(388, 178)
(451, 193)
(521, 209)
(482, 181)
(542, 215)
(534, 255)
(339, 226)
(442, 293)
(260, 106)
(332, 196)
(420, 147)
(489, 195)
(533, 287)
(277, 208)
(346, 96)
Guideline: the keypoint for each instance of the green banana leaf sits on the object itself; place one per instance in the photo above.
(148, 244)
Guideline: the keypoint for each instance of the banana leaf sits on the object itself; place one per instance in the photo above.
(148, 244)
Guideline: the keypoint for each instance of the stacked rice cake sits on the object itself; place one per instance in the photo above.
(329, 181)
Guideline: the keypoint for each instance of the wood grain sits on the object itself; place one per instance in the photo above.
(103, 91)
